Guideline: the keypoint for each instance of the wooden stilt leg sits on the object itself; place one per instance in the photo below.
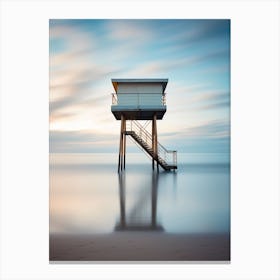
(124, 142)
(153, 142)
(122, 158)
(155, 148)
(119, 162)
(120, 165)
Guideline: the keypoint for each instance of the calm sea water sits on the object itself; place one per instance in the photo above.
(87, 195)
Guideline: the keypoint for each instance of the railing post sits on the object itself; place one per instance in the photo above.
(114, 99)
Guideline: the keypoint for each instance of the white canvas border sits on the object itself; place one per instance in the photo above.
(255, 138)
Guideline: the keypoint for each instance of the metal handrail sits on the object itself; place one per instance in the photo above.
(164, 99)
(115, 98)
(167, 155)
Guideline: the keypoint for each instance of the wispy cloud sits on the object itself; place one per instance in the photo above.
(86, 54)
(129, 31)
(201, 31)
(212, 129)
(76, 88)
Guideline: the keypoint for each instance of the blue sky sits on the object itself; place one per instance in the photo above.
(193, 54)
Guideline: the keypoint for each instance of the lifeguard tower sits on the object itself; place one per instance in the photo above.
(141, 99)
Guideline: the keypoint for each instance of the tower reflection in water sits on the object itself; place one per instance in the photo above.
(137, 218)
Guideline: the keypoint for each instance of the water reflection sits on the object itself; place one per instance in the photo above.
(89, 197)
(139, 218)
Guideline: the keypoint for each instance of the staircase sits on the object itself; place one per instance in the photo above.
(165, 158)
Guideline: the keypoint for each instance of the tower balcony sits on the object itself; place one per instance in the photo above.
(138, 106)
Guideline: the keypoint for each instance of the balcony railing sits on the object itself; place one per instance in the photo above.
(169, 156)
(115, 99)
(164, 99)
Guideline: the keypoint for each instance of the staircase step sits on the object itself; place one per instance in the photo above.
(148, 147)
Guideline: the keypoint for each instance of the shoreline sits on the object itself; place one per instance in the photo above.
(139, 247)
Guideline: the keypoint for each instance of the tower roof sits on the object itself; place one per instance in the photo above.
(164, 82)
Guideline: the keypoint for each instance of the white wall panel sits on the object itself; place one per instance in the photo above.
(150, 99)
(127, 99)
(139, 88)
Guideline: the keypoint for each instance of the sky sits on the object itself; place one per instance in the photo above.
(194, 55)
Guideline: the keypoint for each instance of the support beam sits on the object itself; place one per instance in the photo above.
(124, 141)
(121, 148)
(155, 141)
(153, 144)
(143, 138)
